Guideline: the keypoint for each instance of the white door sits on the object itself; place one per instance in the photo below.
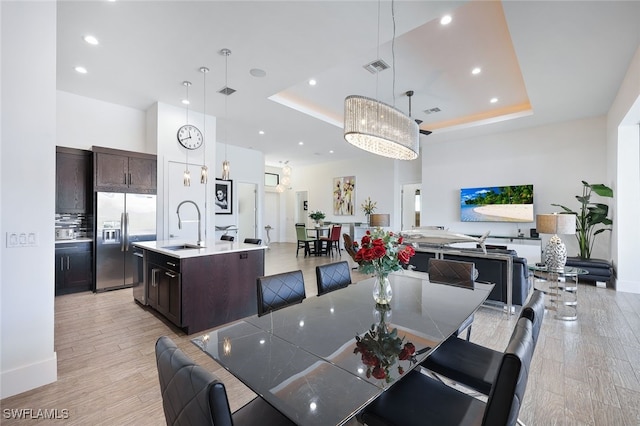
(410, 206)
(247, 209)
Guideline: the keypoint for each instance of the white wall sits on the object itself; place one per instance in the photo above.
(27, 356)
(246, 166)
(163, 121)
(376, 177)
(554, 158)
(623, 137)
(85, 122)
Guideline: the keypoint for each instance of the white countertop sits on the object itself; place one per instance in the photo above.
(211, 247)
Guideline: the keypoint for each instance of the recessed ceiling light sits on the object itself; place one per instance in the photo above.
(257, 72)
(312, 82)
(476, 70)
(300, 143)
(91, 39)
(446, 20)
(331, 151)
(261, 132)
(185, 101)
(81, 70)
(493, 100)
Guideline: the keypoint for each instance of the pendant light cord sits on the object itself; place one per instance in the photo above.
(393, 51)
(186, 85)
(226, 99)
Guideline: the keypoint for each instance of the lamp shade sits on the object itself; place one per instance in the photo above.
(379, 219)
(380, 128)
(556, 223)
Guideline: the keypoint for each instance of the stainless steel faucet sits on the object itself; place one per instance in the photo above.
(199, 242)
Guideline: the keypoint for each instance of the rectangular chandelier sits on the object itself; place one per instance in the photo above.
(380, 128)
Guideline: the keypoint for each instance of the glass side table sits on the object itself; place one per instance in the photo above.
(561, 287)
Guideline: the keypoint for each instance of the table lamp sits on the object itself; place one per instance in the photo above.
(379, 219)
(555, 253)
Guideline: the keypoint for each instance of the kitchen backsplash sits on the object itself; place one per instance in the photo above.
(79, 222)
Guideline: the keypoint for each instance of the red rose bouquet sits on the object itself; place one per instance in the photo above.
(382, 252)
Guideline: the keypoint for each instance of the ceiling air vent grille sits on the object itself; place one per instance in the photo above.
(376, 66)
(227, 91)
(432, 110)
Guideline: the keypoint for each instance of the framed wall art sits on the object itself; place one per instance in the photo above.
(223, 196)
(344, 195)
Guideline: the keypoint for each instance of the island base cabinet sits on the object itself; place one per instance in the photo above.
(164, 290)
(203, 292)
(220, 288)
(169, 293)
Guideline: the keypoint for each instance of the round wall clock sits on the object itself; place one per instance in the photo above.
(190, 136)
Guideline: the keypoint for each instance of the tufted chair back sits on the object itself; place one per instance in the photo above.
(190, 394)
(332, 276)
(534, 311)
(507, 393)
(280, 290)
(257, 241)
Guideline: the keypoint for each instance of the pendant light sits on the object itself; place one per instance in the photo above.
(186, 179)
(227, 92)
(204, 170)
(377, 127)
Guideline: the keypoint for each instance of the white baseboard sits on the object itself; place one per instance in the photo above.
(29, 377)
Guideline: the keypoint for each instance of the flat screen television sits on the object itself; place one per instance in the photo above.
(497, 204)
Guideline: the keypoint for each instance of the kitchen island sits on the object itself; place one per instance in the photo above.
(198, 288)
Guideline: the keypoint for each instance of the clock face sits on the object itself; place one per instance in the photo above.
(190, 137)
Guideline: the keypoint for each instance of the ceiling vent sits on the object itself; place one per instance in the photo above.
(227, 91)
(432, 110)
(376, 66)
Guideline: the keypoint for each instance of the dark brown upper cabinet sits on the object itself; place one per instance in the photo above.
(124, 171)
(73, 180)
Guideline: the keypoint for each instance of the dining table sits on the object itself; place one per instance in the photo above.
(317, 232)
(321, 361)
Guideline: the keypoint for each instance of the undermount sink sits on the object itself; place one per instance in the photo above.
(183, 247)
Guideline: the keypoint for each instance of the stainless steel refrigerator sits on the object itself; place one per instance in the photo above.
(121, 219)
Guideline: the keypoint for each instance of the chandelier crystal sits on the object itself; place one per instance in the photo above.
(380, 128)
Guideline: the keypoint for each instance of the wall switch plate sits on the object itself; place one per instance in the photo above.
(22, 239)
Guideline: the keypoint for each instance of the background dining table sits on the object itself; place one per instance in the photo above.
(301, 358)
(317, 232)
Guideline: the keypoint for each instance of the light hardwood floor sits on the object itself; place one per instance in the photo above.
(585, 372)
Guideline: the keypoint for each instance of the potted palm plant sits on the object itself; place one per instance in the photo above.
(590, 216)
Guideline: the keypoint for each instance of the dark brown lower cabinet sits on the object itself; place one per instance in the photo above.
(198, 293)
(73, 265)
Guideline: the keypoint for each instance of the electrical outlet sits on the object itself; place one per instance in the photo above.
(22, 239)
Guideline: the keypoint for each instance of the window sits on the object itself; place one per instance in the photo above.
(271, 179)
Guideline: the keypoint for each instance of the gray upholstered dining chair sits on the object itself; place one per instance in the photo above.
(332, 276)
(418, 399)
(280, 290)
(192, 395)
(453, 272)
(476, 366)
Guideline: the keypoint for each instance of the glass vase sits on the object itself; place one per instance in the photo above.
(382, 293)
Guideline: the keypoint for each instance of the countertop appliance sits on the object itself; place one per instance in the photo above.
(65, 234)
(121, 219)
